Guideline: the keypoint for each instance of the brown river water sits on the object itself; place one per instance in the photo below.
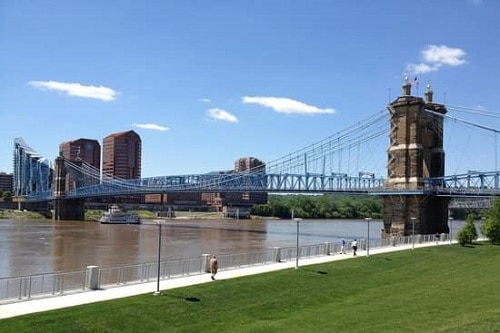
(43, 246)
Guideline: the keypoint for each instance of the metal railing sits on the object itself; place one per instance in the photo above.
(50, 284)
(13, 289)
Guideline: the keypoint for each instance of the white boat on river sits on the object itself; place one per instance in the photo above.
(115, 215)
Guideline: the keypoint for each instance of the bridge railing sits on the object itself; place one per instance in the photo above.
(13, 289)
(472, 183)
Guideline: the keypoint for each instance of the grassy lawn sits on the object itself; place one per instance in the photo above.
(437, 289)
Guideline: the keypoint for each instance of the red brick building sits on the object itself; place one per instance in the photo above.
(86, 150)
(121, 155)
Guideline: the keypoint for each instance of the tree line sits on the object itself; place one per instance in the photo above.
(328, 206)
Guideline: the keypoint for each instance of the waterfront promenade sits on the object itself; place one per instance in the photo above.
(68, 300)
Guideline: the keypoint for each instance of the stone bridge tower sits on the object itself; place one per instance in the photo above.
(65, 209)
(415, 153)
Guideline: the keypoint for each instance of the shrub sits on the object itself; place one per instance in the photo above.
(491, 229)
(491, 225)
(468, 234)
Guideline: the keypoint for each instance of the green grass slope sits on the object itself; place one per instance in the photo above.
(437, 289)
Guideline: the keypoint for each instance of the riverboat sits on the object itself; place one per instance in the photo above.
(115, 215)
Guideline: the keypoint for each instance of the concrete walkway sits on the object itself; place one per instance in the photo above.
(68, 300)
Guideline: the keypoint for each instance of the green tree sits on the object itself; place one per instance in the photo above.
(280, 210)
(7, 195)
(491, 225)
(262, 210)
(468, 233)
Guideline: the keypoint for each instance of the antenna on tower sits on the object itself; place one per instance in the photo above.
(415, 83)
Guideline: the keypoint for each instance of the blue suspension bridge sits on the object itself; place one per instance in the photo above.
(316, 168)
(350, 161)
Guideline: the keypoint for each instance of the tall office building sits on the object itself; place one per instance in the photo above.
(121, 155)
(82, 150)
(32, 172)
(87, 150)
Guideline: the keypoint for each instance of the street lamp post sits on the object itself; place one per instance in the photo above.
(297, 247)
(413, 232)
(483, 219)
(157, 292)
(368, 219)
(450, 219)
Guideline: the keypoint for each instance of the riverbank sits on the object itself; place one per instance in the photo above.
(94, 215)
(20, 214)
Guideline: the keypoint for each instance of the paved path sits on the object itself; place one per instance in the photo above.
(68, 300)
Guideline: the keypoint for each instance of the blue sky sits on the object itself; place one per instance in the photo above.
(206, 82)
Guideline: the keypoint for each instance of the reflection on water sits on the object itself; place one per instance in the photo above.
(35, 246)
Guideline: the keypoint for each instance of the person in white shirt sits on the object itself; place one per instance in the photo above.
(354, 246)
(214, 266)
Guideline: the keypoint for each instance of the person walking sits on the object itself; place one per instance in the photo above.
(342, 248)
(436, 237)
(214, 266)
(354, 246)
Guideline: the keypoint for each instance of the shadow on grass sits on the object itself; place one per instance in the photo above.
(313, 271)
(186, 298)
(192, 299)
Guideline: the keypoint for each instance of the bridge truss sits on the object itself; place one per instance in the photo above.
(466, 185)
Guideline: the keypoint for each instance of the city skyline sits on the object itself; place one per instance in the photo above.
(204, 84)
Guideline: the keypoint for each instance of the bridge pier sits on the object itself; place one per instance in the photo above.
(64, 208)
(69, 209)
(430, 215)
(415, 153)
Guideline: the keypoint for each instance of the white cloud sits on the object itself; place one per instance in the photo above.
(421, 68)
(286, 105)
(205, 100)
(219, 114)
(444, 55)
(77, 89)
(152, 127)
(434, 57)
